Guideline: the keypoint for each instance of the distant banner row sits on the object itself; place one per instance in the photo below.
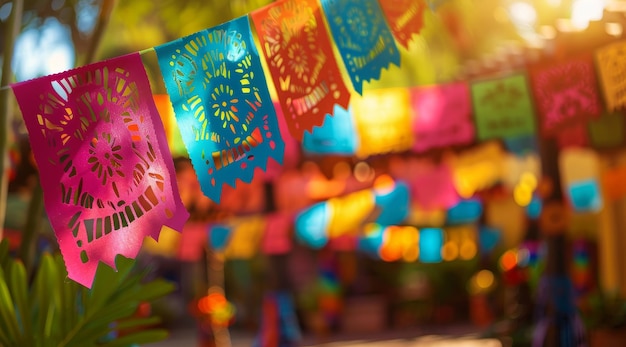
(109, 178)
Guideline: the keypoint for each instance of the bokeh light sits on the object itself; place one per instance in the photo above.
(450, 251)
(363, 172)
(43, 51)
(484, 279)
(522, 14)
(584, 11)
(468, 250)
(508, 260)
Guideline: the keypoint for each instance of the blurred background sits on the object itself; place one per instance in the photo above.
(466, 254)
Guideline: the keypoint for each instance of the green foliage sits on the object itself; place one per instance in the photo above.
(140, 24)
(51, 310)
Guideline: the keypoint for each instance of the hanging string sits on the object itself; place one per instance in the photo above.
(147, 50)
(142, 52)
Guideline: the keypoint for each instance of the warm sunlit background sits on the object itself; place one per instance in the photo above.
(462, 40)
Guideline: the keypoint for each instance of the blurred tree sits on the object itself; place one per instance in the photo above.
(457, 31)
(141, 24)
(79, 16)
(107, 313)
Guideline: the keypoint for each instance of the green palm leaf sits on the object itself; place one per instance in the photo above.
(19, 294)
(55, 311)
(8, 319)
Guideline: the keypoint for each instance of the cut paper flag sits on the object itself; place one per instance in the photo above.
(421, 217)
(533, 210)
(565, 92)
(442, 116)
(300, 59)
(503, 108)
(432, 186)
(193, 240)
(311, 226)
(573, 135)
(363, 38)
(611, 68)
(430, 244)
(392, 200)
(349, 212)
(219, 235)
(245, 237)
(336, 136)
(517, 169)
(246, 198)
(344, 243)
(607, 132)
(387, 202)
(478, 168)
(465, 212)
(505, 214)
(223, 108)
(371, 240)
(579, 164)
(166, 247)
(400, 243)
(109, 177)
(383, 121)
(405, 18)
(585, 196)
(488, 239)
(277, 234)
(291, 155)
(461, 242)
(522, 145)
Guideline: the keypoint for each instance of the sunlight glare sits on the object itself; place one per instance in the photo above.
(613, 29)
(584, 11)
(43, 52)
(522, 14)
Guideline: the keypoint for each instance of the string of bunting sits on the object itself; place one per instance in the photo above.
(96, 132)
(110, 181)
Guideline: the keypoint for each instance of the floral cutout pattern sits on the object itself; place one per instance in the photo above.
(405, 18)
(336, 136)
(608, 131)
(109, 178)
(432, 186)
(379, 135)
(502, 108)
(612, 74)
(442, 116)
(300, 59)
(565, 93)
(363, 38)
(222, 104)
